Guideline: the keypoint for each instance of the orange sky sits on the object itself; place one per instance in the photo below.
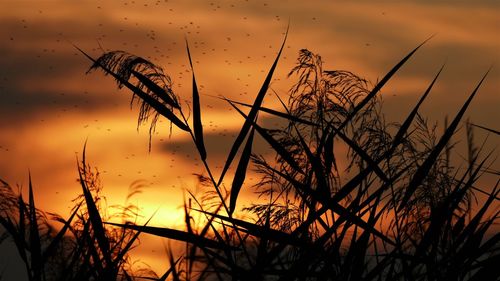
(49, 107)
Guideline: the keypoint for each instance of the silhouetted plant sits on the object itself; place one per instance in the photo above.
(83, 248)
(399, 211)
(321, 222)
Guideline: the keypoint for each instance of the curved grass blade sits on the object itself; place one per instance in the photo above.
(175, 274)
(241, 170)
(329, 155)
(18, 238)
(197, 125)
(252, 115)
(424, 169)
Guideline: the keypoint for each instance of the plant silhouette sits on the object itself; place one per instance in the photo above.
(398, 211)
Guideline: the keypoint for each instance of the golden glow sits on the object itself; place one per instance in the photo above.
(49, 107)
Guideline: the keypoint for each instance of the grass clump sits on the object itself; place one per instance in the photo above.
(81, 247)
(399, 211)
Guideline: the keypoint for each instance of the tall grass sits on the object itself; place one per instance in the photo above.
(399, 211)
(81, 247)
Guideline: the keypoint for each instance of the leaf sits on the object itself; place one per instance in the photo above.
(35, 246)
(322, 186)
(170, 269)
(123, 251)
(371, 163)
(424, 169)
(175, 234)
(252, 114)
(94, 216)
(197, 125)
(487, 129)
(241, 170)
(58, 238)
(259, 231)
(379, 86)
(398, 138)
(274, 112)
(274, 144)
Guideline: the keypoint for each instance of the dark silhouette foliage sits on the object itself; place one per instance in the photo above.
(399, 210)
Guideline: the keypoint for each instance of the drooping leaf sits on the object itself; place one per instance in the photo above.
(284, 115)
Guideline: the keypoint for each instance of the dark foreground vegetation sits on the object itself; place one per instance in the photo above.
(399, 211)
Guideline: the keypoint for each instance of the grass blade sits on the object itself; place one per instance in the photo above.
(174, 234)
(406, 124)
(58, 238)
(241, 170)
(274, 144)
(94, 216)
(487, 129)
(35, 246)
(257, 230)
(252, 115)
(170, 270)
(379, 86)
(124, 250)
(274, 112)
(424, 169)
(197, 126)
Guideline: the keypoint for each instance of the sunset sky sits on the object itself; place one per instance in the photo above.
(49, 107)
